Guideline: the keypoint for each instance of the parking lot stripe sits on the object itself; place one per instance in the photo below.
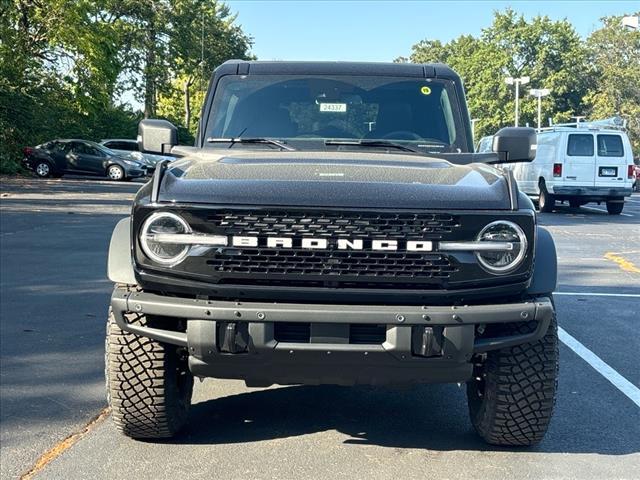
(604, 211)
(623, 263)
(595, 294)
(617, 380)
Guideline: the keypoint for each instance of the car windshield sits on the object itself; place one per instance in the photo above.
(310, 112)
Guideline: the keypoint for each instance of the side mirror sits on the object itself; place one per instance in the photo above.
(157, 136)
(515, 144)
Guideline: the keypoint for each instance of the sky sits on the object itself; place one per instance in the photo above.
(384, 30)
(381, 31)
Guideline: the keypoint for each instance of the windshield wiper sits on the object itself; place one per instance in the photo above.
(267, 141)
(374, 144)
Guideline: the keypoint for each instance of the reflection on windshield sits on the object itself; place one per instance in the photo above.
(307, 110)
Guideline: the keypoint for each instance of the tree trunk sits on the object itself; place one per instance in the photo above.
(187, 101)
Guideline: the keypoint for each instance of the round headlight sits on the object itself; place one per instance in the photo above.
(161, 251)
(502, 261)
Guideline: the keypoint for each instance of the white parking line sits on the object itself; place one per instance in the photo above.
(618, 381)
(593, 294)
(604, 211)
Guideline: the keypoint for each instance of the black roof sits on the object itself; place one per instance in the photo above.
(420, 70)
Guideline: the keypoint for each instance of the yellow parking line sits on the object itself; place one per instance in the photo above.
(624, 264)
(62, 446)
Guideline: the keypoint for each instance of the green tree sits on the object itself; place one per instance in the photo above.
(204, 36)
(614, 53)
(65, 63)
(550, 52)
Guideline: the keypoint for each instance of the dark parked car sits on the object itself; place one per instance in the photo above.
(129, 149)
(55, 158)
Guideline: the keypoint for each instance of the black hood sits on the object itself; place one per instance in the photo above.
(333, 179)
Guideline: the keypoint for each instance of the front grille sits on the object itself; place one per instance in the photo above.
(335, 263)
(297, 264)
(387, 226)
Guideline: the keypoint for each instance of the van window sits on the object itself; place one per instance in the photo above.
(580, 145)
(610, 146)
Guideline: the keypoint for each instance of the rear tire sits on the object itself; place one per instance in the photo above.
(512, 394)
(149, 385)
(546, 202)
(615, 208)
(43, 169)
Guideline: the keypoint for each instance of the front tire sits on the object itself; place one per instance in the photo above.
(615, 208)
(512, 394)
(115, 173)
(149, 385)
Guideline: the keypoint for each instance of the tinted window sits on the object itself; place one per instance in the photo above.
(580, 145)
(129, 146)
(610, 146)
(302, 108)
(87, 149)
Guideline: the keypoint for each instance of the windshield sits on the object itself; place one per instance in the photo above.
(305, 111)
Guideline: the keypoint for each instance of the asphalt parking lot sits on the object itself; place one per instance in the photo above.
(54, 295)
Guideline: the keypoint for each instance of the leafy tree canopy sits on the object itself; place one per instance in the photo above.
(599, 77)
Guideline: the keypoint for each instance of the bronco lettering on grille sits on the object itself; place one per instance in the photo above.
(315, 243)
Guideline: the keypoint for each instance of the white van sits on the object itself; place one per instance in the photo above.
(579, 163)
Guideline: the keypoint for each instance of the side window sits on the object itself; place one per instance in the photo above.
(58, 147)
(86, 149)
(610, 146)
(78, 147)
(129, 146)
(580, 145)
(90, 150)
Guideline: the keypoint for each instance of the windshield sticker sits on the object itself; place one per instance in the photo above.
(425, 90)
(333, 107)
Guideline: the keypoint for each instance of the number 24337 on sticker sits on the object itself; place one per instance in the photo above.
(333, 107)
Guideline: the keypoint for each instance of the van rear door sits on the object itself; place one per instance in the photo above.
(580, 160)
(611, 161)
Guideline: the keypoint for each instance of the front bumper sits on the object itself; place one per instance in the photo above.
(135, 172)
(592, 193)
(332, 359)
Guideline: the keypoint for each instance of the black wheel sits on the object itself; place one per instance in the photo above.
(149, 385)
(615, 208)
(43, 169)
(546, 202)
(512, 394)
(575, 203)
(115, 172)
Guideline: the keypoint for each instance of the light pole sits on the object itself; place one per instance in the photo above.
(517, 82)
(539, 93)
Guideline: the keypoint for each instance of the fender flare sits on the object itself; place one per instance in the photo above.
(545, 272)
(120, 262)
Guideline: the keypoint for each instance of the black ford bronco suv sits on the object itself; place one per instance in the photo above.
(332, 225)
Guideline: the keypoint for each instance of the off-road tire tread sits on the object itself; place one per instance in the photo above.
(520, 390)
(144, 399)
